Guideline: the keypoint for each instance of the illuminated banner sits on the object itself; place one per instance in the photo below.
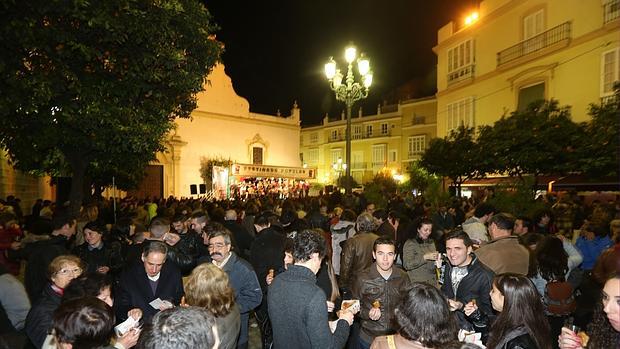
(249, 170)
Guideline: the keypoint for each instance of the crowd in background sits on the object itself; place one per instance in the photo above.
(421, 272)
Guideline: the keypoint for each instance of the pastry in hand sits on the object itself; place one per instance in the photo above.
(584, 338)
(376, 304)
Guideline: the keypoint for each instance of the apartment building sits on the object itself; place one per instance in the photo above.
(512, 52)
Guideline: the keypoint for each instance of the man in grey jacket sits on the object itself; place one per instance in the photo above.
(298, 307)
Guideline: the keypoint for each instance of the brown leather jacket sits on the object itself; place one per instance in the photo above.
(369, 287)
(356, 256)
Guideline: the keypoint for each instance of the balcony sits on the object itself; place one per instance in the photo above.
(415, 155)
(356, 136)
(379, 164)
(611, 99)
(418, 120)
(611, 11)
(358, 166)
(461, 74)
(553, 36)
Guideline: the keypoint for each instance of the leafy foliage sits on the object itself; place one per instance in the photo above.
(94, 86)
(536, 141)
(419, 177)
(455, 156)
(380, 189)
(206, 167)
(598, 153)
(517, 198)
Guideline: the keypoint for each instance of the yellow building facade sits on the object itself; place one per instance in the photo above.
(386, 141)
(516, 51)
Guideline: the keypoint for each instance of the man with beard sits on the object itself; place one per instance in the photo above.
(189, 242)
(380, 289)
(243, 280)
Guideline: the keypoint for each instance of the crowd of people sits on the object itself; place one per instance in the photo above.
(282, 188)
(331, 271)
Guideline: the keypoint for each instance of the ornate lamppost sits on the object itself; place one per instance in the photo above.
(349, 92)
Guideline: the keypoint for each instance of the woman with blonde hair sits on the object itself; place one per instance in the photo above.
(208, 287)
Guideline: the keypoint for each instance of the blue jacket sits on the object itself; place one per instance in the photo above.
(298, 313)
(591, 249)
(248, 294)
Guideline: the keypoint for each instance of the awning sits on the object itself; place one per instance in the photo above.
(583, 183)
(251, 170)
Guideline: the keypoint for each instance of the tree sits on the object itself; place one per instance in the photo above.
(380, 189)
(598, 153)
(419, 178)
(206, 167)
(86, 86)
(456, 156)
(536, 141)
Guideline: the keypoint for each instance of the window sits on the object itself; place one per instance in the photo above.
(384, 128)
(460, 113)
(368, 130)
(336, 154)
(533, 25)
(611, 10)
(609, 71)
(393, 155)
(357, 131)
(257, 155)
(334, 135)
(461, 61)
(357, 159)
(379, 155)
(530, 94)
(313, 156)
(416, 145)
(314, 138)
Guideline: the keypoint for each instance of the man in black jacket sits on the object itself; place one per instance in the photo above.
(152, 280)
(466, 280)
(298, 307)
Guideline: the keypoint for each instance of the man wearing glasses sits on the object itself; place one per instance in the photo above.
(243, 280)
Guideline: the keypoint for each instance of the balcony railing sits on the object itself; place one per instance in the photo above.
(611, 99)
(358, 166)
(611, 11)
(535, 43)
(379, 164)
(415, 154)
(418, 120)
(341, 138)
(463, 73)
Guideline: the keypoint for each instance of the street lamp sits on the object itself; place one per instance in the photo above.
(338, 166)
(349, 92)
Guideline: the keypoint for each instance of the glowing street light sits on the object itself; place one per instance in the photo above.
(472, 18)
(349, 92)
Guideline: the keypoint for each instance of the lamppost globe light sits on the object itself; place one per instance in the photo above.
(368, 80)
(330, 68)
(337, 79)
(348, 90)
(349, 54)
(363, 65)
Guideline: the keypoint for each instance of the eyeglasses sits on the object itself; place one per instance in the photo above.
(217, 245)
(65, 272)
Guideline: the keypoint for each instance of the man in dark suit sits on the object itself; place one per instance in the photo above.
(153, 279)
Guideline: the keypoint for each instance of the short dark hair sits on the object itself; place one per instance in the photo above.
(154, 246)
(383, 241)
(201, 216)
(424, 315)
(96, 227)
(484, 209)
(87, 285)
(504, 221)
(527, 221)
(380, 214)
(180, 328)
(84, 322)
(179, 218)
(307, 242)
(348, 215)
(159, 227)
(61, 217)
(460, 234)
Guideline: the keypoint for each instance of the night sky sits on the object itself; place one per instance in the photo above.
(275, 50)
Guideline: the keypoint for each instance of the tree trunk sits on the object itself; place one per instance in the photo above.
(78, 167)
